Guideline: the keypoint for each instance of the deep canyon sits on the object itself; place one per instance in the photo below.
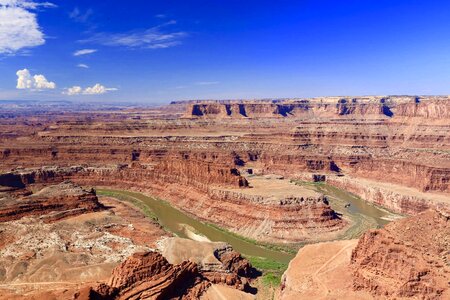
(275, 173)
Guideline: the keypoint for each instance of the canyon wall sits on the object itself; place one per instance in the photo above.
(291, 220)
(388, 106)
(416, 251)
(407, 259)
(402, 140)
(62, 200)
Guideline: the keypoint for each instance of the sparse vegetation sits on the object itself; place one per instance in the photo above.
(290, 249)
(272, 270)
(271, 279)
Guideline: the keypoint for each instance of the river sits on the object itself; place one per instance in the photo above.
(364, 215)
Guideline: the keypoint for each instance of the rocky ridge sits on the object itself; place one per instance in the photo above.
(148, 275)
(408, 258)
(417, 251)
(53, 203)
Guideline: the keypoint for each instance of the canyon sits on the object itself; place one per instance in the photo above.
(60, 241)
(257, 169)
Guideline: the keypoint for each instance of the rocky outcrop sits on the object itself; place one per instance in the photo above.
(149, 276)
(408, 258)
(287, 108)
(432, 109)
(234, 262)
(184, 168)
(58, 237)
(217, 261)
(53, 203)
(189, 171)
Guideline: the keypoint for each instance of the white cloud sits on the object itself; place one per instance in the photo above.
(28, 4)
(75, 90)
(97, 89)
(40, 82)
(84, 52)
(18, 25)
(37, 82)
(84, 66)
(152, 38)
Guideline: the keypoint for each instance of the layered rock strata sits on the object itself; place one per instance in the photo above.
(55, 202)
(59, 237)
(289, 219)
(407, 259)
(388, 106)
(149, 276)
(400, 140)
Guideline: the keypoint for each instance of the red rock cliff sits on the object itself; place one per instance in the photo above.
(408, 258)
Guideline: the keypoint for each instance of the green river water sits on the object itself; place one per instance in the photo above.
(364, 215)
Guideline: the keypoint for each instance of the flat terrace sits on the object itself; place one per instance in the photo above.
(275, 188)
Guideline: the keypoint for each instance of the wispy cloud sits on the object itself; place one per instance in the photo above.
(84, 52)
(97, 89)
(81, 17)
(160, 16)
(37, 82)
(19, 28)
(27, 4)
(151, 38)
(84, 66)
(207, 82)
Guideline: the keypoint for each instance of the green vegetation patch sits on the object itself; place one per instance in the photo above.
(272, 270)
(271, 280)
(288, 249)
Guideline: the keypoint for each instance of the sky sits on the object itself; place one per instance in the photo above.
(159, 51)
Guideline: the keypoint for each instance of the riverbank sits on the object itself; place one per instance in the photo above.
(174, 221)
(360, 213)
(271, 259)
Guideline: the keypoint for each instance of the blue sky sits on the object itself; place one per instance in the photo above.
(159, 51)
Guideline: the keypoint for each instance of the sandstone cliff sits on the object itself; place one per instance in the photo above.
(56, 202)
(408, 258)
(388, 106)
(149, 276)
